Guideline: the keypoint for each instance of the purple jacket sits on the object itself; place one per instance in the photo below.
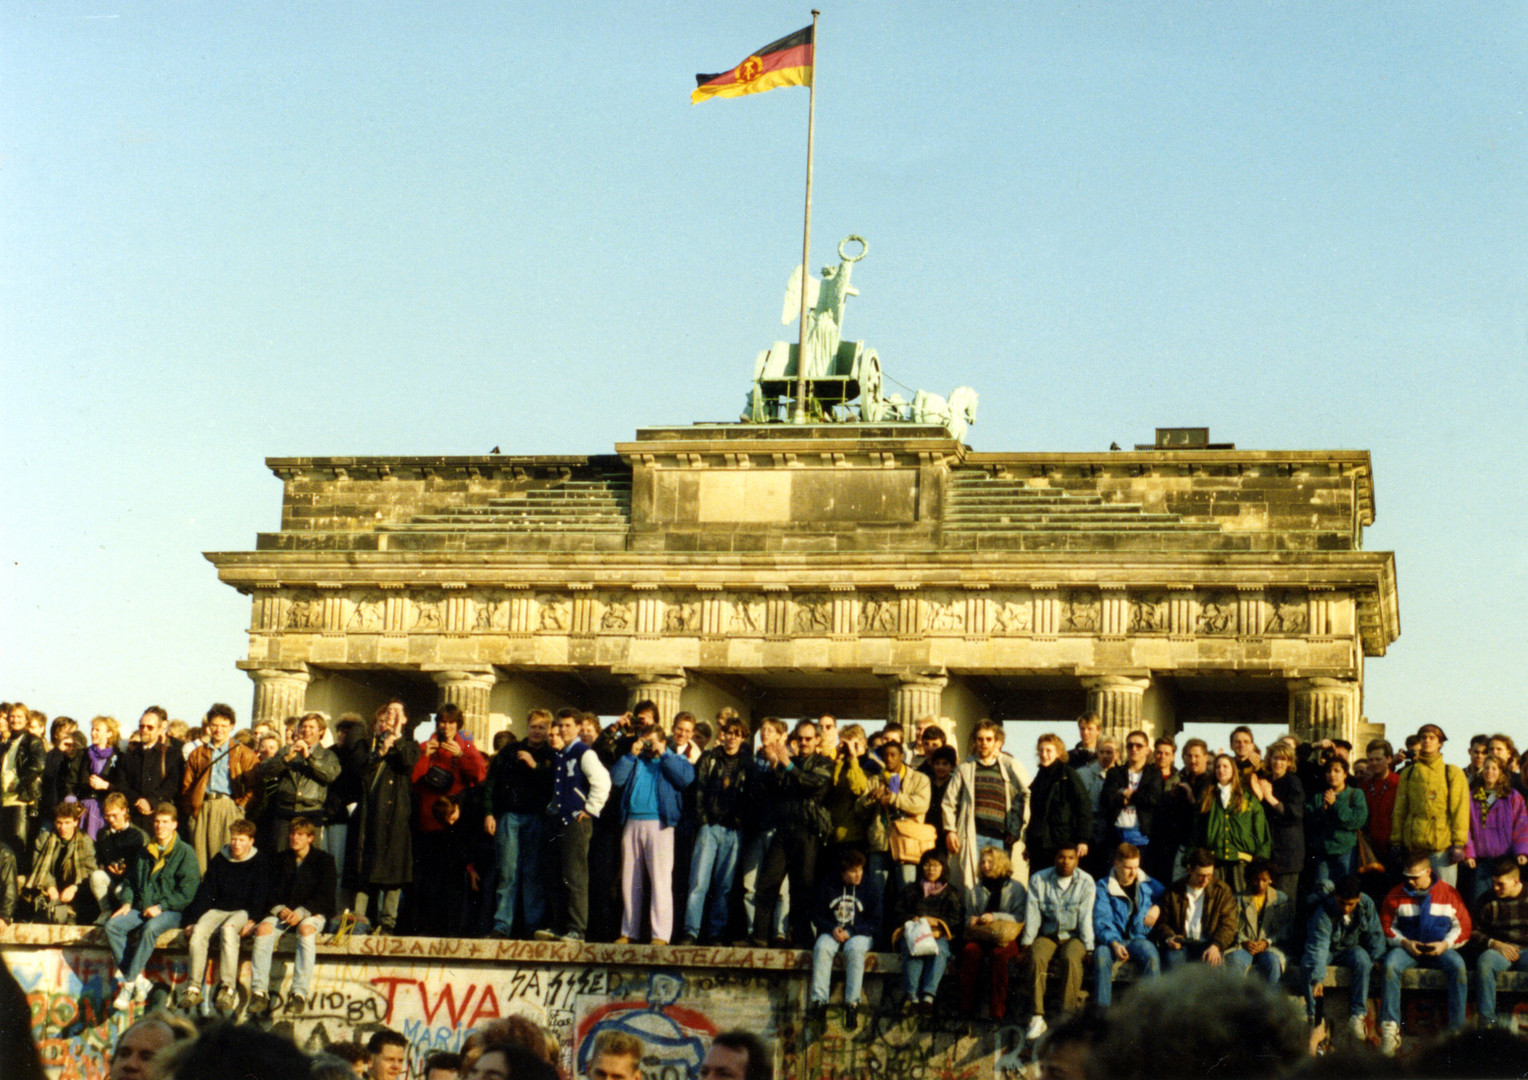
(1503, 832)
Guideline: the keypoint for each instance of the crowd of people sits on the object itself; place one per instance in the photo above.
(1274, 863)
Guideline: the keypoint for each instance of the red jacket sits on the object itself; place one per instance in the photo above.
(467, 770)
(1380, 795)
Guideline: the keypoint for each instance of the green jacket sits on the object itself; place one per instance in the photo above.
(1235, 836)
(172, 886)
(1333, 830)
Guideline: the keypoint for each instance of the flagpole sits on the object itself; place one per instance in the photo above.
(798, 412)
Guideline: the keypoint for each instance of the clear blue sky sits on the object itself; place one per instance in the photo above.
(233, 230)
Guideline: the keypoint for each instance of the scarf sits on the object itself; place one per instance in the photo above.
(932, 888)
(100, 758)
(1484, 798)
(159, 853)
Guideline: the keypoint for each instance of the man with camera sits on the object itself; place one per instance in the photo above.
(650, 777)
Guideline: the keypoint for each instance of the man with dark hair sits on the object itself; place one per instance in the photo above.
(161, 882)
(1058, 925)
(721, 792)
(62, 862)
(152, 767)
(521, 778)
(984, 804)
(389, 1055)
(1132, 791)
(1198, 920)
(1500, 932)
(795, 783)
(234, 887)
(442, 1065)
(580, 790)
(1480, 749)
(219, 782)
(301, 898)
(353, 1054)
(1343, 930)
(1432, 807)
(301, 773)
(846, 914)
(737, 1055)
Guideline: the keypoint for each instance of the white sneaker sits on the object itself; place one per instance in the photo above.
(1036, 1028)
(1389, 1038)
(1359, 1027)
(124, 996)
(141, 988)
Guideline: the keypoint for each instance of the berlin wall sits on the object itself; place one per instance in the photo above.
(435, 990)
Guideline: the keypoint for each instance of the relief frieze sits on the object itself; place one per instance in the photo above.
(1079, 612)
(1148, 613)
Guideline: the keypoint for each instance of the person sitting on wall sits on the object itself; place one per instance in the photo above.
(846, 914)
(1126, 909)
(936, 900)
(301, 898)
(161, 882)
(1265, 917)
(58, 889)
(1058, 925)
(1425, 922)
(235, 885)
(114, 847)
(1198, 920)
(1343, 930)
(1500, 934)
(995, 910)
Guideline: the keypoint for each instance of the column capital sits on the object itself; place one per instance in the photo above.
(465, 676)
(631, 678)
(1125, 683)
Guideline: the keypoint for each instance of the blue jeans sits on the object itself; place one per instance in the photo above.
(1456, 978)
(120, 927)
(1333, 868)
(1356, 960)
(1491, 964)
(1143, 952)
(265, 947)
(855, 950)
(521, 843)
(921, 974)
(712, 866)
(1173, 959)
(753, 859)
(1269, 963)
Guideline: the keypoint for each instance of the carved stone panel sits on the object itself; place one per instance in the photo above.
(1080, 612)
(554, 614)
(878, 613)
(1286, 612)
(1149, 613)
(305, 611)
(618, 614)
(1217, 613)
(681, 613)
(490, 612)
(813, 614)
(367, 612)
(1012, 612)
(428, 616)
(744, 615)
(947, 613)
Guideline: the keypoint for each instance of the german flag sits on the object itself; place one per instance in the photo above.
(787, 62)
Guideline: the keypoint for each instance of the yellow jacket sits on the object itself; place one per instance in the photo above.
(1432, 807)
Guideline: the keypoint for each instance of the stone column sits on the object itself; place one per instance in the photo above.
(662, 688)
(1323, 709)
(913, 696)
(280, 693)
(1117, 701)
(469, 689)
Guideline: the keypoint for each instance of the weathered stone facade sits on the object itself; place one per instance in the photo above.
(868, 571)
